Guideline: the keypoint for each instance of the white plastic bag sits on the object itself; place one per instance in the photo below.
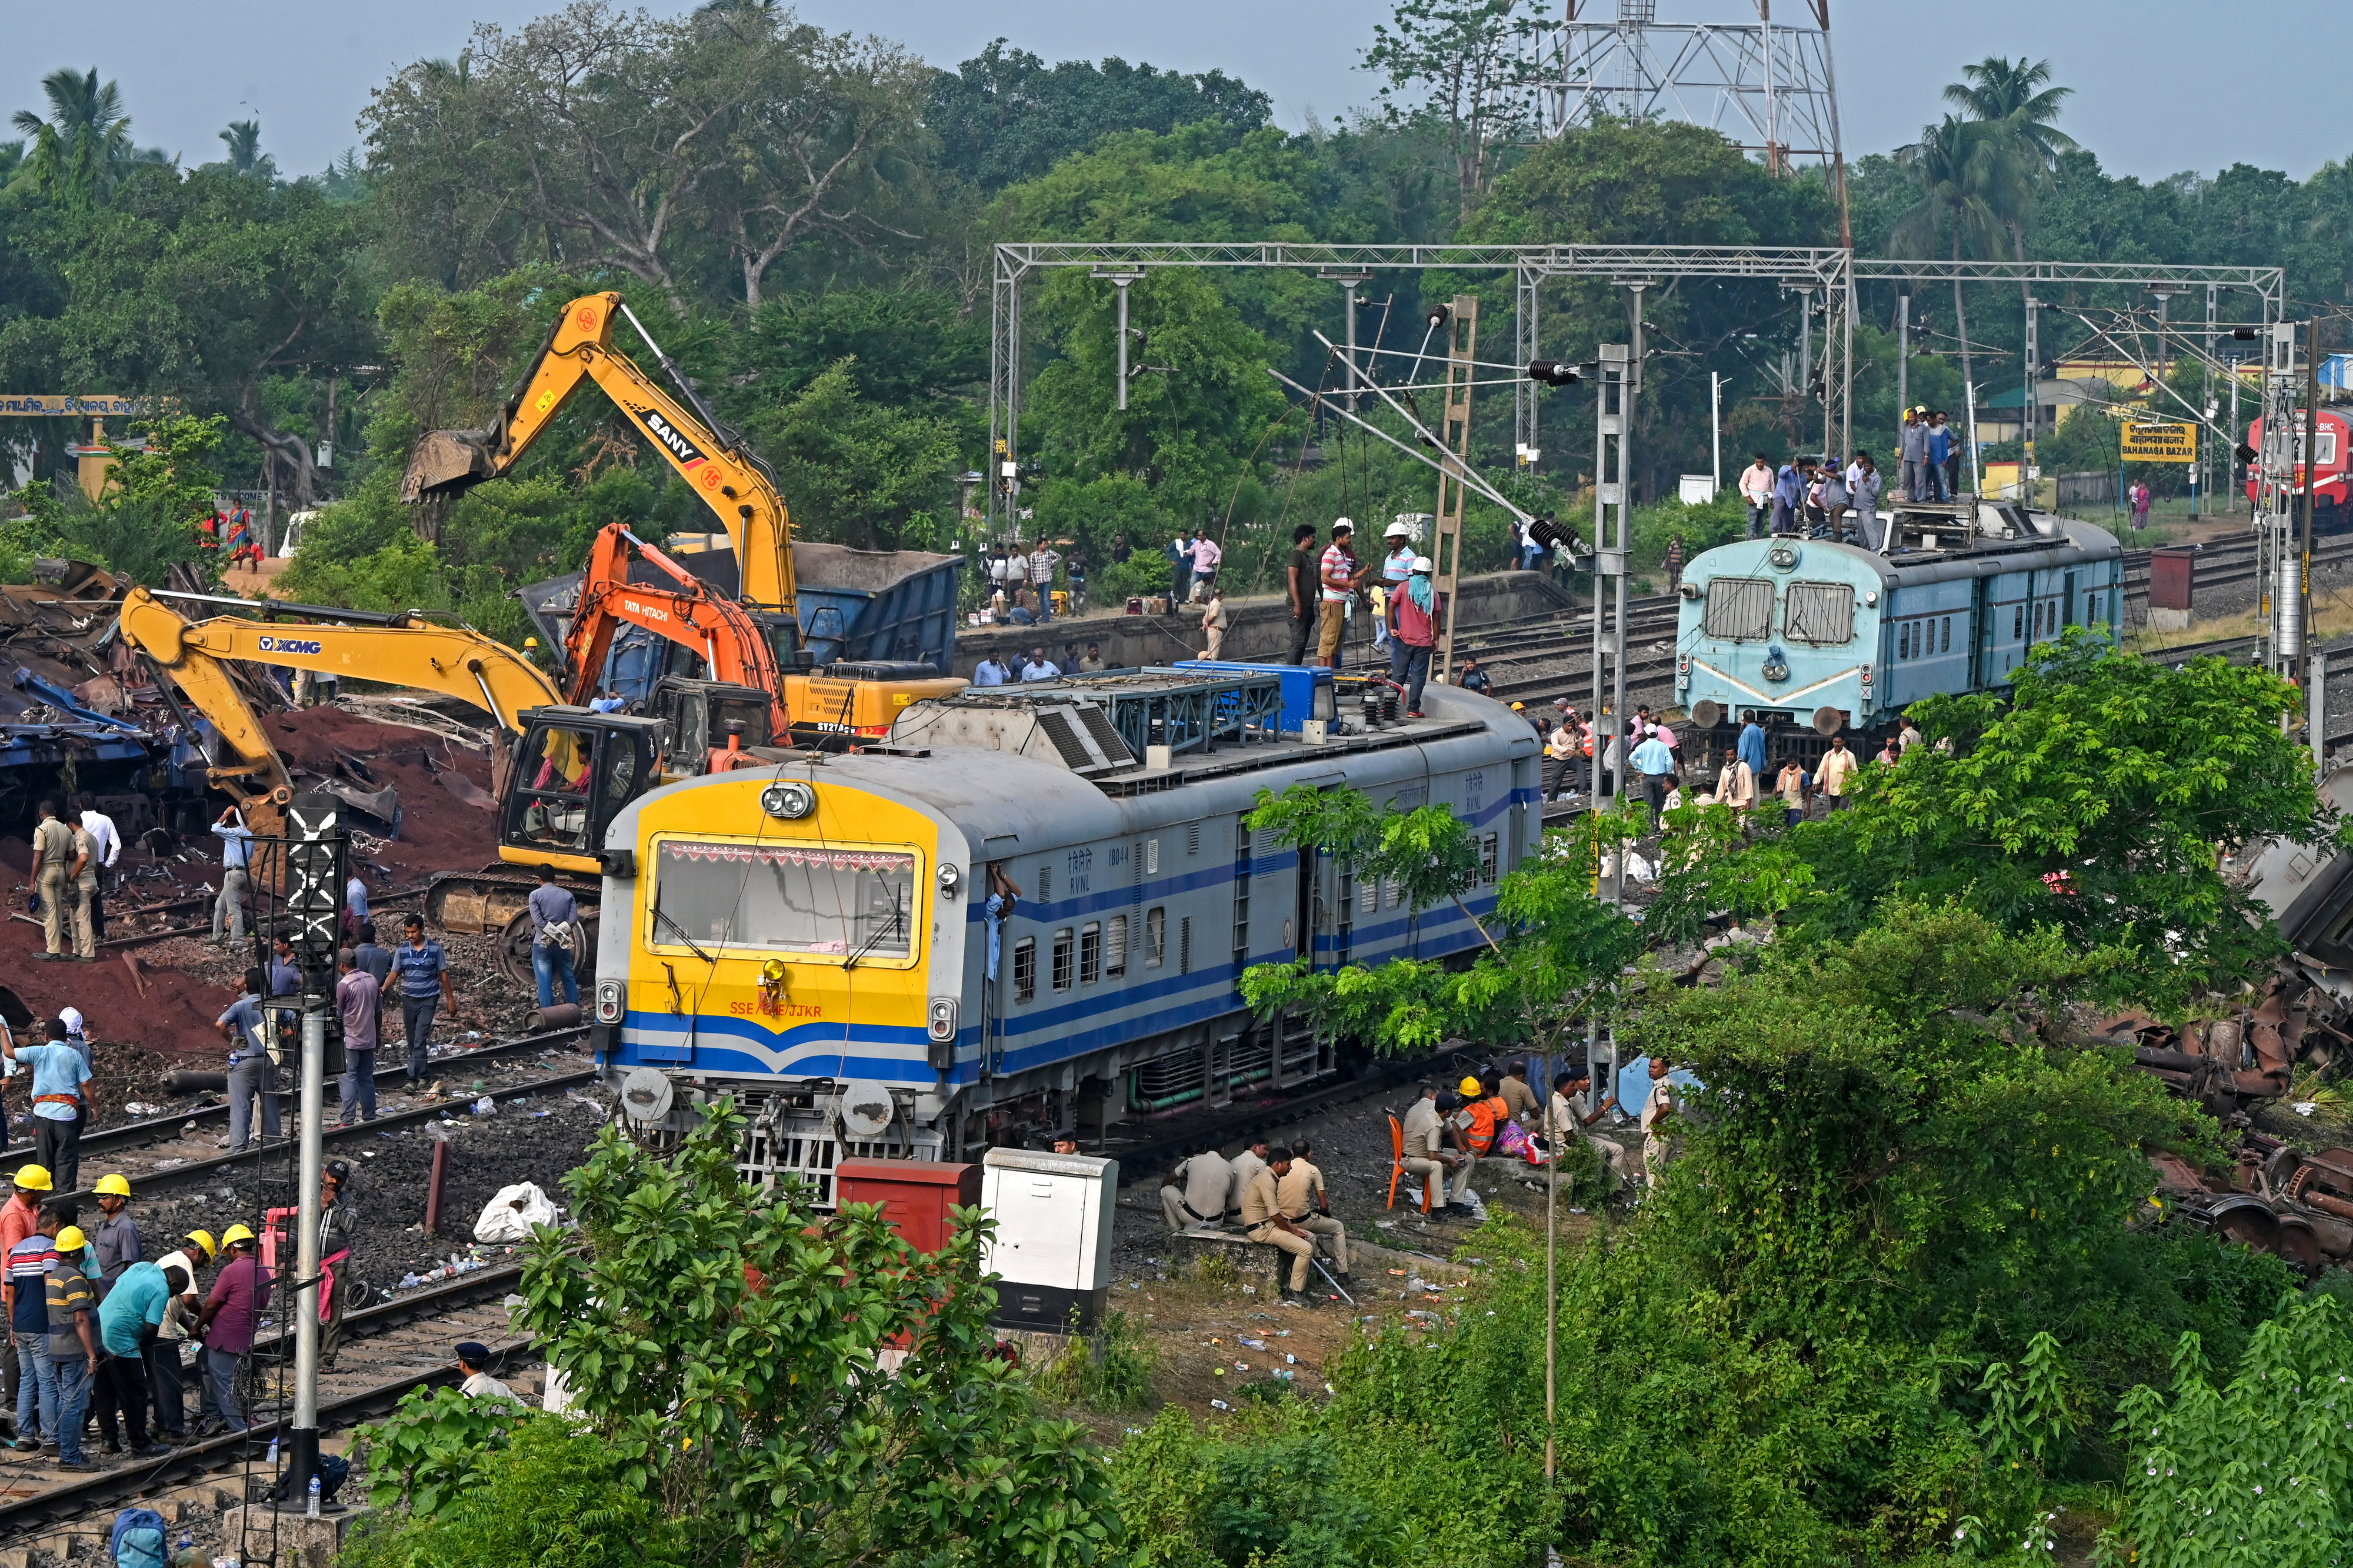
(509, 1216)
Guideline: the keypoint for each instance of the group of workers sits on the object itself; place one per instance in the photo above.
(72, 851)
(1275, 1196)
(99, 1331)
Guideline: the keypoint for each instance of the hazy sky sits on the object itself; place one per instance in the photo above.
(2150, 97)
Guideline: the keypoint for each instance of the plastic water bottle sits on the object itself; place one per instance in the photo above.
(312, 1511)
(273, 1453)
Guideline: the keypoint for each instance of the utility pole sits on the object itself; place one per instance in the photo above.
(315, 856)
(2033, 406)
(1120, 280)
(1455, 440)
(1902, 356)
(1348, 282)
(1716, 433)
(1613, 405)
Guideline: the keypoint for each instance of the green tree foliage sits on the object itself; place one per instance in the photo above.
(2249, 1469)
(489, 1486)
(724, 1342)
(861, 473)
(144, 520)
(1006, 116)
(1463, 66)
(2089, 805)
(83, 146)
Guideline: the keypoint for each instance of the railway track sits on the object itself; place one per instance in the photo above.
(387, 1351)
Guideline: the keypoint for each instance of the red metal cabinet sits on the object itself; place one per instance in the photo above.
(915, 1195)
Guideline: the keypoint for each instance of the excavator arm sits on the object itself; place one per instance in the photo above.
(457, 661)
(580, 350)
(150, 627)
(690, 615)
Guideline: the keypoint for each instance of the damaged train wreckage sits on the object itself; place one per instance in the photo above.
(2291, 1191)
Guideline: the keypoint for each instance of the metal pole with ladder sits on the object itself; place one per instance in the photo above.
(1454, 437)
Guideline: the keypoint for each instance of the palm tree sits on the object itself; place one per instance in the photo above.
(2018, 95)
(85, 143)
(245, 153)
(1962, 169)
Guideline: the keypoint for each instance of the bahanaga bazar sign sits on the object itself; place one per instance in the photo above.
(2159, 444)
(65, 405)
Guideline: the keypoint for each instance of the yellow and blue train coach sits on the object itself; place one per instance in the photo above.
(1838, 637)
(816, 938)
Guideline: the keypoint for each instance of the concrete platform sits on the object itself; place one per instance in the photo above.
(302, 1540)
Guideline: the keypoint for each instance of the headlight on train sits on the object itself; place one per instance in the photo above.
(943, 1018)
(951, 879)
(612, 1001)
(788, 798)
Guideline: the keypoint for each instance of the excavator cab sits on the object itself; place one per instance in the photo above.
(572, 772)
(695, 716)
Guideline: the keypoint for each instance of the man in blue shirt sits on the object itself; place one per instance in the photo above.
(988, 671)
(285, 975)
(1940, 452)
(556, 938)
(251, 1074)
(60, 1094)
(127, 1319)
(423, 973)
(28, 1274)
(237, 852)
(1656, 763)
(1752, 745)
(1789, 494)
(354, 901)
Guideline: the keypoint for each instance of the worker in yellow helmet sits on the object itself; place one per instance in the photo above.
(166, 1388)
(231, 1310)
(20, 1216)
(116, 1237)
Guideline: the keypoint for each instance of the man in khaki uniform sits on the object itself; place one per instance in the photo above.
(1518, 1098)
(1246, 1167)
(53, 874)
(1426, 1155)
(1263, 1223)
(1196, 1191)
(1658, 1124)
(1306, 1204)
(85, 892)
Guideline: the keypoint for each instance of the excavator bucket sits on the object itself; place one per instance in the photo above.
(446, 462)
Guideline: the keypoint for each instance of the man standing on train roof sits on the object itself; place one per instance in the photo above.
(1789, 494)
(1756, 489)
(1863, 487)
(1940, 452)
(1337, 576)
(1912, 455)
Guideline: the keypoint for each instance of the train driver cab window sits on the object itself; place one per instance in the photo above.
(1821, 614)
(849, 905)
(1739, 609)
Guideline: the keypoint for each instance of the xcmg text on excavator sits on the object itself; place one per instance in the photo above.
(560, 773)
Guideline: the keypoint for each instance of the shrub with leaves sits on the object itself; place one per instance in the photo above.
(2258, 1470)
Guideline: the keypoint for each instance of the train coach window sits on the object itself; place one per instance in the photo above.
(1487, 852)
(1821, 613)
(2016, 622)
(1903, 641)
(1115, 947)
(1025, 969)
(1090, 954)
(1739, 609)
(1155, 937)
(1062, 948)
(1945, 635)
(790, 897)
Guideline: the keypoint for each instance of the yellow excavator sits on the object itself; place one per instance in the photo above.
(727, 475)
(559, 774)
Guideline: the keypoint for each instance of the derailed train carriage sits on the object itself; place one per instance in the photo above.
(1836, 636)
(813, 936)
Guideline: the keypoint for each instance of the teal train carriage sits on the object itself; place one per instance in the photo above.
(1833, 638)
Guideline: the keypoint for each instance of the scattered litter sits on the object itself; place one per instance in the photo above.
(512, 1212)
(1254, 1344)
(485, 1105)
(2304, 1107)
(1219, 1404)
(1385, 1224)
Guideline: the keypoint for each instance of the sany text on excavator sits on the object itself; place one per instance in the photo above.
(845, 704)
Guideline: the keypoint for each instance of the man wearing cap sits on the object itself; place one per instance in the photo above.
(1413, 632)
(116, 1237)
(20, 1216)
(166, 1388)
(251, 1074)
(474, 1357)
(238, 1294)
(1337, 574)
(128, 1319)
(356, 1001)
(25, 1284)
(60, 1091)
(72, 1351)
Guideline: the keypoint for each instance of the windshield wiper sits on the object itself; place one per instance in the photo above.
(661, 920)
(898, 915)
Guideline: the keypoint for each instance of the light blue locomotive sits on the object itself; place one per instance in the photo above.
(816, 935)
(1840, 638)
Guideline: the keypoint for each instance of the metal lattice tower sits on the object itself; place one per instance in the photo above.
(1766, 84)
